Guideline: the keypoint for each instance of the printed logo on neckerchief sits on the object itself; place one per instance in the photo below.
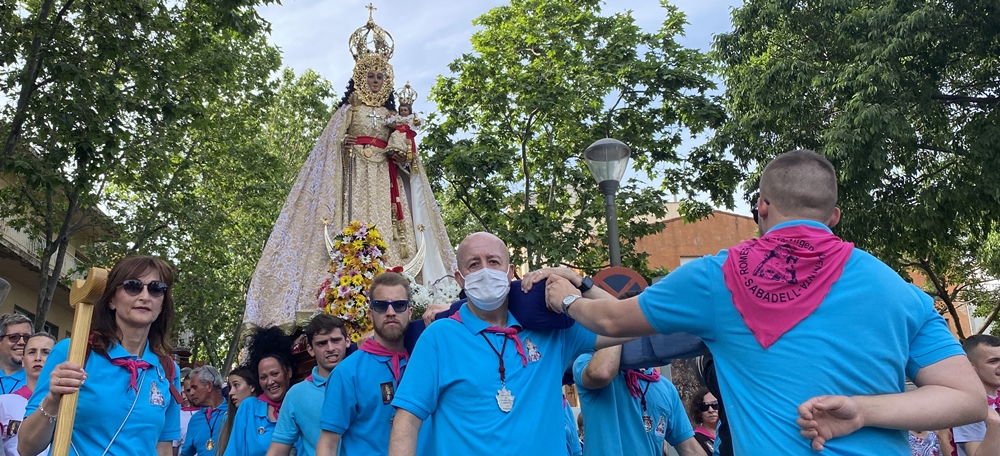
(780, 278)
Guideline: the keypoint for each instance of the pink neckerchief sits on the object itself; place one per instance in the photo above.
(705, 432)
(132, 366)
(510, 332)
(23, 392)
(780, 278)
(277, 405)
(632, 378)
(375, 348)
(992, 401)
(190, 409)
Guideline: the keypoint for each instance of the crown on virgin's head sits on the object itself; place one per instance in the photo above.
(371, 39)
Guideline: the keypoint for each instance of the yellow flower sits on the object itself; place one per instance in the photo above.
(358, 245)
(358, 280)
(345, 281)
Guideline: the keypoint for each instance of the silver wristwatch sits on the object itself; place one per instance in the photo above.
(568, 300)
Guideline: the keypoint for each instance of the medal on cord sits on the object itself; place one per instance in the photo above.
(505, 400)
(647, 421)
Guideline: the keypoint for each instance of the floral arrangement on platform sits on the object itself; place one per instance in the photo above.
(355, 259)
(443, 291)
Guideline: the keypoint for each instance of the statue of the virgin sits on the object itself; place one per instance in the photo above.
(351, 176)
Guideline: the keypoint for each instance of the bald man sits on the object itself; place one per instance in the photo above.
(487, 385)
(813, 339)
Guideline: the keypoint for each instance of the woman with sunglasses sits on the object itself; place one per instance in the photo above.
(131, 404)
(271, 361)
(704, 411)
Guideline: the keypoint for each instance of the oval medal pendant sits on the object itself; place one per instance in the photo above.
(647, 422)
(210, 445)
(505, 400)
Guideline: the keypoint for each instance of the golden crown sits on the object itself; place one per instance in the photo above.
(371, 39)
(406, 95)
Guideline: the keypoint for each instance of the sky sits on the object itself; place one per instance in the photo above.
(430, 34)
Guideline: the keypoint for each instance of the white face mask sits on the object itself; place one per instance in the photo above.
(487, 288)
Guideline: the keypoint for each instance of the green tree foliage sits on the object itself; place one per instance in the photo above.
(900, 96)
(97, 90)
(545, 79)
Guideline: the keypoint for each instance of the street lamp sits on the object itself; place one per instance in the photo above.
(608, 159)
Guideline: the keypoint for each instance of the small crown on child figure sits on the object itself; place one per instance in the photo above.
(406, 95)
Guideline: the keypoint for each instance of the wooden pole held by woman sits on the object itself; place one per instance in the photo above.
(82, 295)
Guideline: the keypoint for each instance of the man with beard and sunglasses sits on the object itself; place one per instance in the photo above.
(357, 414)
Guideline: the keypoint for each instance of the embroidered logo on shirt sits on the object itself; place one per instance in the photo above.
(661, 427)
(155, 397)
(533, 354)
(387, 392)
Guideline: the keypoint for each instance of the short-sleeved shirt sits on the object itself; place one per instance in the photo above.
(573, 445)
(252, 429)
(202, 428)
(300, 414)
(974, 432)
(186, 414)
(870, 332)
(12, 382)
(357, 404)
(615, 418)
(107, 400)
(454, 380)
(11, 415)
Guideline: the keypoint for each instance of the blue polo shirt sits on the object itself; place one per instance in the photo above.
(871, 332)
(106, 401)
(573, 445)
(300, 414)
(356, 407)
(614, 417)
(454, 380)
(12, 382)
(251, 434)
(201, 428)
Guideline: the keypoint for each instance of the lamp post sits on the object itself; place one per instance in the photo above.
(608, 159)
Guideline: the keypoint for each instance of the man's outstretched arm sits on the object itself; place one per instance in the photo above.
(948, 394)
(403, 438)
(607, 317)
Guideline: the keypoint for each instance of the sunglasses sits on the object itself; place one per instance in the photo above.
(709, 405)
(13, 338)
(133, 287)
(754, 211)
(397, 306)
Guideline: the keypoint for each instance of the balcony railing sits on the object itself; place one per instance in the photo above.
(28, 248)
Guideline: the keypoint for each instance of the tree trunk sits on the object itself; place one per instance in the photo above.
(686, 377)
(48, 279)
(234, 348)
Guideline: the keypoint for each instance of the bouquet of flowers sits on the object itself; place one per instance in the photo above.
(443, 291)
(355, 259)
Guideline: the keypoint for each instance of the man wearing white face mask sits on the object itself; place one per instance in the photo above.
(481, 376)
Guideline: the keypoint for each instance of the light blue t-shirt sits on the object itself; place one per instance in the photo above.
(201, 427)
(871, 332)
(357, 403)
(251, 434)
(299, 420)
(12, 382)
(454, 380)
(614, 417)
(107, 400)
(573, 445)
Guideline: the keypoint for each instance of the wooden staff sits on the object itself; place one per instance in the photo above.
(82, 295)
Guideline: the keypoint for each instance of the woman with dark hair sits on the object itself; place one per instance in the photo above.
(242, 385)
(704, 412)
(132, 406)
(271, 361)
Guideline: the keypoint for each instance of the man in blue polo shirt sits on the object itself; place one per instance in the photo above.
(479, 377)
(813, 339)
(356, 411)
(15, 329)
(327, 341)
(206, 424)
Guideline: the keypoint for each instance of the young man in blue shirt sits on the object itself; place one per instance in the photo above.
(356, 411)
(487, 385)
(812, 338)
(205, 425)
(15, 329)
(299, 422)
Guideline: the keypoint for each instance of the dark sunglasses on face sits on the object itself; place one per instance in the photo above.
(707, 405)
(13, 338)
(133, 287)
(397, 306)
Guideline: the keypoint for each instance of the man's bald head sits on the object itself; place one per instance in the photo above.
(800, 184)
(482, 249)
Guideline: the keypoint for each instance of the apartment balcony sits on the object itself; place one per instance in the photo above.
(27, 248)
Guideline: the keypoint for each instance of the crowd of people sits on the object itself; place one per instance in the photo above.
(812, 341)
